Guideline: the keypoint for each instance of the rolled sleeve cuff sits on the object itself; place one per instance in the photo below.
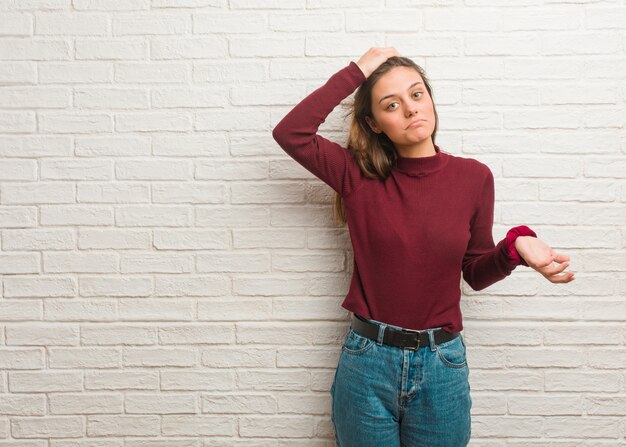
(511, 236)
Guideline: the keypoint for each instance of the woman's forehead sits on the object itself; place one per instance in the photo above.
(396, 81)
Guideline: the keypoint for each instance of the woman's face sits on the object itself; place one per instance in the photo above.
(399, 98)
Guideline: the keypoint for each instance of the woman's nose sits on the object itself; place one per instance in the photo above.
(410, 108)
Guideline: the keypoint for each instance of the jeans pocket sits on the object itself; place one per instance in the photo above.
(453, 352)
(355, 343)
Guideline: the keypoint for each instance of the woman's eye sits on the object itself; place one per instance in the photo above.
(394, 108)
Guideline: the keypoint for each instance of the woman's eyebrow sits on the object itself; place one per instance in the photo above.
(395, 94)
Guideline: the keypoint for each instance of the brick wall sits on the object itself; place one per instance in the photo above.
(171, 278)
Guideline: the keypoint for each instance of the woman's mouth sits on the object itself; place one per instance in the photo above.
(415, 123)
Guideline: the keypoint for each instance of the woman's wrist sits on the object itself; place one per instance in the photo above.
(362, 70)
(511, 237)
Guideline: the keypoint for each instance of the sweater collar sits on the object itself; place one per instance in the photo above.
(422, 166)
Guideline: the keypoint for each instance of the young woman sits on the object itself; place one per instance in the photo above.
(418, 217)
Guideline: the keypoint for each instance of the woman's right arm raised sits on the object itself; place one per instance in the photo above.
(297, 134)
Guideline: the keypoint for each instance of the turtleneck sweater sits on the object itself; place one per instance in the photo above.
(413, 233)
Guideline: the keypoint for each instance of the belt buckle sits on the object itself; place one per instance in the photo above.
(413, 348)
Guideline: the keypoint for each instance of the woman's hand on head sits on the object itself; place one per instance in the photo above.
(544, 259)
(374, 57)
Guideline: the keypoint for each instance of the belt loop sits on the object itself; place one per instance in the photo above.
(431, 337)
(381, 333)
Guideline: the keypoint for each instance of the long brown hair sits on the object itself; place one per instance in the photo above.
(374, 152)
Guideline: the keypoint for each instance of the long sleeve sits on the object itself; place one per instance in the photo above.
(484, 262)
(297, 134)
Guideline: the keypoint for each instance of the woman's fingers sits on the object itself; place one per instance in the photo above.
(562, 278)
(374, 57)
(554, 273)
(393, 51)
(553, 268)
(543, 264)
(560, 258)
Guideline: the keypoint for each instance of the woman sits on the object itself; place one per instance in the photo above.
(417, 217)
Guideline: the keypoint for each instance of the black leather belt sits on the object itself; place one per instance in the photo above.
(405, 338)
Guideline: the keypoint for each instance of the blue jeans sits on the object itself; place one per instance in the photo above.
(385, 396)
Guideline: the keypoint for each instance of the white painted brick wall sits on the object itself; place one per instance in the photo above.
(171, 278)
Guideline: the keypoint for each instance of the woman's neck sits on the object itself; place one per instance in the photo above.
(422, 149)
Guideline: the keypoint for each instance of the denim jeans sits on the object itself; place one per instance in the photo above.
(386, 396)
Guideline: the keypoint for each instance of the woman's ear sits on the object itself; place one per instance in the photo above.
(372, 124)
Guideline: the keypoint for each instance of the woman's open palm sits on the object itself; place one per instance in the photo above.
(542, 258)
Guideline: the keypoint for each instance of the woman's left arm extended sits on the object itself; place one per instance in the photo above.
(485, 263)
